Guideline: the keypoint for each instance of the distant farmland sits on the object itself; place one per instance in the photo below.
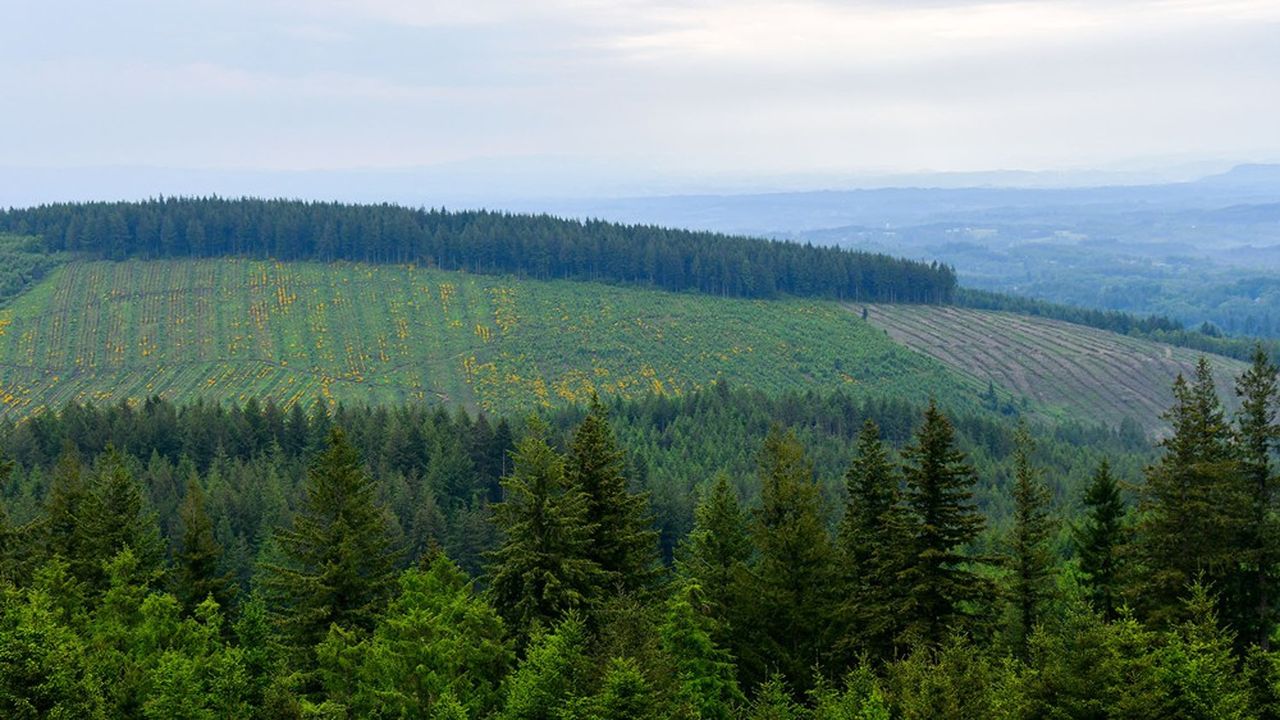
(230, 329)
(1088, 373)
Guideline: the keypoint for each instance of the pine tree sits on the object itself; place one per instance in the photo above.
(338, 562)
(1256, 436)
(715, 554)
(1029, 557)
(543, 569)
(870, 543)
(1191, 507)
(1100, 540)
(198, 567)
(793, 607)
(623, 541)
(938, 584)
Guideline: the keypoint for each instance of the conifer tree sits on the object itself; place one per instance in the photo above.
(338, 561)
(939, 585)
(623, 541)
(870, 543)
(793, 606)
(1191, 507)
(715, 554)
(705, 681)
(554, 676)
(1100, 540)
(198, 565)
(1029, 557)
(115, 517)
(68, 496)
(1256, 436)
(543, 568)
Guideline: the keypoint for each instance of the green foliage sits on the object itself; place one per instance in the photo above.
(940, 587)
(199, 570)
(1029, 558)
(387, 334)
(553, 677)
(438, 649)
(338, 558)
(1258, 553)
(622, 543)
(1191, 507)
(792, 578)
(715, 554)
(115, 517)
(1100, 541)
(45, 668)
(479, 241)
(773, 701)
(706, 686)
(870, 542)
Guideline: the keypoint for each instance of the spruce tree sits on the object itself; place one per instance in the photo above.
(704, 675)
(870, 543)
(714, 556)
(1256, 436)
(623, 541)
(1191, 507)
(68, 496)
(198, 567)
(543, 568)
(792, 589)
(938, 582)
(116, 516)
(337, 563)
(1100, 540)
(1029, 557)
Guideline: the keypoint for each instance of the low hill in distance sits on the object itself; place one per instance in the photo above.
(1087, 372)
(231, 329)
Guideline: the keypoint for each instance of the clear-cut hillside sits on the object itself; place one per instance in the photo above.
(1088, 373)
(230, 329)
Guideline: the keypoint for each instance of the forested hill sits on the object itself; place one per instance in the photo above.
(537, 246)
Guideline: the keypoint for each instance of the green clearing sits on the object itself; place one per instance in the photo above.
(230, 329)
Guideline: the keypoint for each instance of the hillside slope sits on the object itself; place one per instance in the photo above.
(1088, 373)
(229, 329)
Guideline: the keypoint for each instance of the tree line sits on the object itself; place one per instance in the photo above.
(879, 602)
(536, 246)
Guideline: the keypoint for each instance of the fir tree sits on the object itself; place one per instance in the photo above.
(1100, 540)
(338, 562)
(939, 587)
(793, 606)
(68, 496)
(714, 556)
(1256, 437)
(116, 517)
(543, 567)
(623, 542)
(705, 682)
(1029, 557)
(198, 565)
(870, 543)
(1191, 507)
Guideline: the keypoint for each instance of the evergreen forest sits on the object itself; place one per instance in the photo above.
(719, 555)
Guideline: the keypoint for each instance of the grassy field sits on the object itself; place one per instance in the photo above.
(230, 329)
(1086, 372)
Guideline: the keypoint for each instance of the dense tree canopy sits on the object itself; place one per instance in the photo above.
(478, 241)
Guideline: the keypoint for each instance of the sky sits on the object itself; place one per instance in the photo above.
(608, 95)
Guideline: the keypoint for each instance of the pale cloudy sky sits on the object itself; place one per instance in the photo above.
(696, 88)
